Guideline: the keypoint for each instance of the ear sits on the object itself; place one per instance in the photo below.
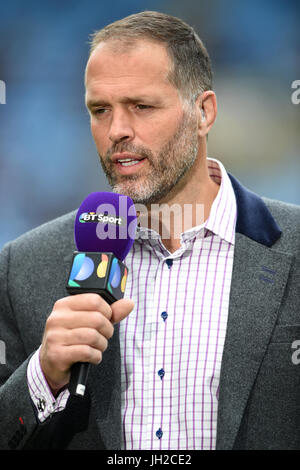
(207, 109)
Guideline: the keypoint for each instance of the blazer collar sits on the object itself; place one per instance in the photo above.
(254, 219)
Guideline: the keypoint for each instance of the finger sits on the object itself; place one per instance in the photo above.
(79, 319)
(81, 353)
(88, 301)
(120, 309)
(57, 361)
(88, 336)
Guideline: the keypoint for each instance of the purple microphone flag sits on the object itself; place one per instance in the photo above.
(106, 222)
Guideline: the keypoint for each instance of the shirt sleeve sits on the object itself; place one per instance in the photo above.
(40, 393)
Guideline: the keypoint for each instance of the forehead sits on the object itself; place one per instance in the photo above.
(121, 64)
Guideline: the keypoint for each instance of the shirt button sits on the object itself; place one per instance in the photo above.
(161, 373)
(159, 433)
(164, 316)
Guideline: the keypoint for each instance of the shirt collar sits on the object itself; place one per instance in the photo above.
(223, 213)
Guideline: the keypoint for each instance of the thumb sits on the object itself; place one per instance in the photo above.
(120, 309)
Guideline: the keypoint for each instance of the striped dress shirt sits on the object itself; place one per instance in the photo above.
(172, 342)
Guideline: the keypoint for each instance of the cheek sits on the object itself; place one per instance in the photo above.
(93, 130)
(96, 133)
(100, 137)
(157, 133)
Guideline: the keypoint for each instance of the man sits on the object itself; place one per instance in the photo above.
(199, 353)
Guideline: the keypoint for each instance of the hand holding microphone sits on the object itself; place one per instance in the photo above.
(77, 331)
(79, 327)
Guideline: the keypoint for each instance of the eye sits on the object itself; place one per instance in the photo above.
(99, 111)
(144, 106)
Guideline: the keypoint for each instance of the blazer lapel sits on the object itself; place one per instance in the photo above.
(258, 281)
(259, 278)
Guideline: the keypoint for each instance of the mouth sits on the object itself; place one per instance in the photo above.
(127, 163)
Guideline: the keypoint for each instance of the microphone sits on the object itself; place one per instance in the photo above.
(104, 232)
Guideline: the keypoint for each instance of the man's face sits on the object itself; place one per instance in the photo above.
(146, 138)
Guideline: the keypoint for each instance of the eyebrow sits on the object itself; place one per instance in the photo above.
(94, 103)
(138, 99)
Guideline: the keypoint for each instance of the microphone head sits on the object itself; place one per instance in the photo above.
(106, 222)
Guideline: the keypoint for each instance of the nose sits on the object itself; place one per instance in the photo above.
(121, 128)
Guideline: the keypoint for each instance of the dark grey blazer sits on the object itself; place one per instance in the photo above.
(259, 394)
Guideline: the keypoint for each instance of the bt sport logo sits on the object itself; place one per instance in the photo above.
(105, 218)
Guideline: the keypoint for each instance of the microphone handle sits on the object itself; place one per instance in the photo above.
(80, 371)
(78, 379)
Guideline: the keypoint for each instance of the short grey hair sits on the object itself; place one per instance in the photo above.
(191, 71)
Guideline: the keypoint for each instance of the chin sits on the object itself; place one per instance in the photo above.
(135, 193)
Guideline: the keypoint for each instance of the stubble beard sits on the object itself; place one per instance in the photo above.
(166, 170)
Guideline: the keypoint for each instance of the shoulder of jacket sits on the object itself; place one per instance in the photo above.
(285, 211)
(287, 216)
(52, 233)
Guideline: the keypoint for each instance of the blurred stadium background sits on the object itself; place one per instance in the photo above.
(48, 162)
